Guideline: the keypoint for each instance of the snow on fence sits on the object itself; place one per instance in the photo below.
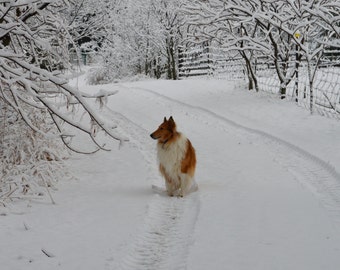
(326, 88)
(210, 61)
(215, 62)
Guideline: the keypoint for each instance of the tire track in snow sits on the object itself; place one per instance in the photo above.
(163, 240)
(318, 176)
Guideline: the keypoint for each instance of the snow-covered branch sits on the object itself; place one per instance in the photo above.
(283, 31)
(39, 110)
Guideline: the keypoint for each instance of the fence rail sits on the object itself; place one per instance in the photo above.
(214, 62)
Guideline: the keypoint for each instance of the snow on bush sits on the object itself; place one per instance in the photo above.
(37, 105)
(31, 162)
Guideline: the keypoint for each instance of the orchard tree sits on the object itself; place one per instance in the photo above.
(282, 31)
(245, 26)
(316, 27)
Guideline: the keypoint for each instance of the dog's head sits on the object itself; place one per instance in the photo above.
(165, 131)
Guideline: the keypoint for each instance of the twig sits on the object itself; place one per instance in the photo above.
(8, 194)
(330, 103)
(26, 226)
(47, 253)
(48, 190)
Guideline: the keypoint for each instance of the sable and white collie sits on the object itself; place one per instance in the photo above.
(177, 159)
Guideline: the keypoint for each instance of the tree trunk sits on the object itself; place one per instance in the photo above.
(283, 90)
(171, 65)
(252, 84)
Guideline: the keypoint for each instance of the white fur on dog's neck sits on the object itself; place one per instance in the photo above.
(170, 156)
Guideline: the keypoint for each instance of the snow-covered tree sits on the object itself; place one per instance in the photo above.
(170, 18)
(244, 26)
(282, 31)
(122, 51)
(315, 27)
(144, 39)
(34, 44)
(89, 22)
(33, 49)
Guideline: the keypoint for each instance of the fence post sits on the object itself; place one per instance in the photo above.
(297, 72)
(297, 36)
(180, 61)
(84, 57)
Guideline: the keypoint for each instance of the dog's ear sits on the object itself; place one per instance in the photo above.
(172, 122)
(164, 119)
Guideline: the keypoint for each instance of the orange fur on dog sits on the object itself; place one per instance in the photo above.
(177, 159)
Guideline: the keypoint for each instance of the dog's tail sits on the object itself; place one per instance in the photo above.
(194, 186)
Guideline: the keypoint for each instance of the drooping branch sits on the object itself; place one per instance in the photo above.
(28, 76)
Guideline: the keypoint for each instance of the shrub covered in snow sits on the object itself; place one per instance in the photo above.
(31, 162)
(37, 105)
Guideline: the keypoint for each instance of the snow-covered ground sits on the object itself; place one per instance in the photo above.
(269, 189)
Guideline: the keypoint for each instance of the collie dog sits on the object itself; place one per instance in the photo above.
(177, 159)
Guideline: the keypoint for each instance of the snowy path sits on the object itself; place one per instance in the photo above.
(268, 199)
(289, 181)
(168, 224)
(321, 178)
